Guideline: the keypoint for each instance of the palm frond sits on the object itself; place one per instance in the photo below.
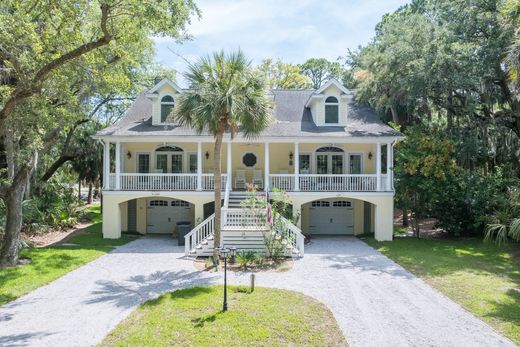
(514, 229)
(496, 232)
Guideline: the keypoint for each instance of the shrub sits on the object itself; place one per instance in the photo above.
(245, 258)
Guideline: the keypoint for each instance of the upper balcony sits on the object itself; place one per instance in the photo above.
(303, 167)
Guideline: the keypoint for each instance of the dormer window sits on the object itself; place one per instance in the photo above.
(167, 104)
(331, 110)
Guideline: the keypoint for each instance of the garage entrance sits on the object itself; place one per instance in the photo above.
(163, 215)
(331, 217)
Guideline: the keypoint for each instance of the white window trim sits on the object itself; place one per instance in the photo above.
(315, 160)
(188, 154)
(362, 155)
(150, 164)
(311, 160)
(159, 122)
(325, 104)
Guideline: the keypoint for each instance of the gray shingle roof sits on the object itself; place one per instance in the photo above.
(291, 119)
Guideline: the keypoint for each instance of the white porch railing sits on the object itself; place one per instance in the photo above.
(208, 181)
(147, 181)
(350, 183)
(244, 219)
(198, 234)
(291, 232)
(282, 181)
(335, 183)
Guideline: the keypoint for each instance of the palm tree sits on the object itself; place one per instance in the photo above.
(224, 95)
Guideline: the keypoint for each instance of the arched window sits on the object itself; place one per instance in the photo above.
(167, 104)
(329, 149)
(331, 110)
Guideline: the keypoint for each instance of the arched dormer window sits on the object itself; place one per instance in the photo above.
(331, 110)
(167, 104)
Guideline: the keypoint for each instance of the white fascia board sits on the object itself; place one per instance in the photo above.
(334, 82)
(162, 83)
(313, 98)
(263, 139)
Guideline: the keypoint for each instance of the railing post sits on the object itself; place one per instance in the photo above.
(106, 165)
(118, 165)
(199, 166)
(266, 164)
(297, 166)
(389, 166)
(378, 167)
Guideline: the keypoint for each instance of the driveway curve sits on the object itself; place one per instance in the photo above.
(375, 301)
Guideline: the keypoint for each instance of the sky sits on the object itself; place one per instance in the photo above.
(292, 30)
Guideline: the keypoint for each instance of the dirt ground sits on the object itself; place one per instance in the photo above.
(428, 228)
(54, 237)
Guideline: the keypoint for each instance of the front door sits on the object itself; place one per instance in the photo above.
(329, 163)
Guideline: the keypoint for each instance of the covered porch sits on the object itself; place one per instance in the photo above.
(293, 167)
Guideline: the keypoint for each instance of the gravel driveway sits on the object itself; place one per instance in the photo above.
(376, 302)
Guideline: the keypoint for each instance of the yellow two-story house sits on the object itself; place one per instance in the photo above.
(333, 157)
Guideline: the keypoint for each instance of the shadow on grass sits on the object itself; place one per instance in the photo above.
(201, 322)
(139, 289)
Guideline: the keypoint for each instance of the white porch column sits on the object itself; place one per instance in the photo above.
(229, 163)
(118, 165)
(106, 165)
(199, 166)
(389, 166)
(297, 166)
(378, 166)
(266, 164)
(384, 218)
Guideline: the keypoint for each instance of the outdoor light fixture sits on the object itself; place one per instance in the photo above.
(291, 156)
(369, 155)
(129, 155)
(207, 155)
(224, 254)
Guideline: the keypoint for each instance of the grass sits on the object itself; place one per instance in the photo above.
(193, 317)
(50, 263)
(482, 277)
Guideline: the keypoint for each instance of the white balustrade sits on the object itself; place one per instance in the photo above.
(341, 183)
(198, 234)
(290, 232)
(244, 219)
(282, 181)
(208, 181)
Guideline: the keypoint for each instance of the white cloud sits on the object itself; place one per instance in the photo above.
(293, 30)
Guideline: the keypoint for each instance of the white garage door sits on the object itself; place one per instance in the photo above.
(331, 217)
(163, 215)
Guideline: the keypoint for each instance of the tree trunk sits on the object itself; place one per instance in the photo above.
(89, 197)
(13, 203)
(395, 115)
(217, 177)
(96, 190)
(406, 222)
(79, 189)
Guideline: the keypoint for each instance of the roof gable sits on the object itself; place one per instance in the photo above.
(165, 81)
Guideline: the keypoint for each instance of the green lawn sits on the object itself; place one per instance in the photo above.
(194, 317)
(49, 263)
(482, 277)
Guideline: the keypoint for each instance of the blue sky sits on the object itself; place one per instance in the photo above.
(293, 30)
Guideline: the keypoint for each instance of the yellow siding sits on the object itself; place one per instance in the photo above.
(278, 155)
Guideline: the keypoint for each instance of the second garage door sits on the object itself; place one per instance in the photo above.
(331, 217)
(163, 215)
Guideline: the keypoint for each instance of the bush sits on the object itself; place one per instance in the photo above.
(53, 205)
(245, 258)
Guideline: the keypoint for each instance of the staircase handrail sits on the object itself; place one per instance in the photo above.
(199, 233)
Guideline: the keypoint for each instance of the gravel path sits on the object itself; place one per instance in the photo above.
(376, 302)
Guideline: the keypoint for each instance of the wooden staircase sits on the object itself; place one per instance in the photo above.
(242, 228)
